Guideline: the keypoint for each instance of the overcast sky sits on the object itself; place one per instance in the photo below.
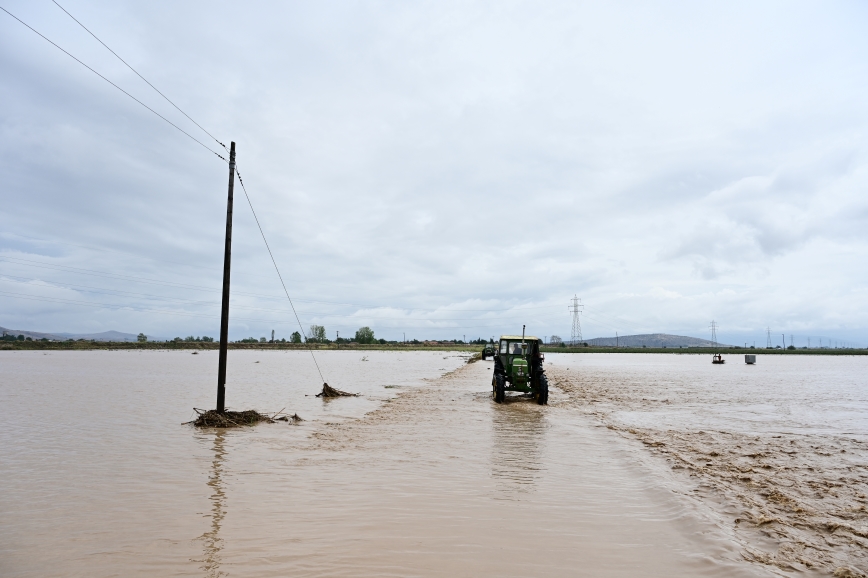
(440, 169)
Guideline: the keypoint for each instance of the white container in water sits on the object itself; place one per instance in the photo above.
(750, 359)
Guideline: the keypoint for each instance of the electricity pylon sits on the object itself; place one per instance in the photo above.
(576, 308)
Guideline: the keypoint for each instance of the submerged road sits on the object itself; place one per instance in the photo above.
(443, 482)
(421, 476)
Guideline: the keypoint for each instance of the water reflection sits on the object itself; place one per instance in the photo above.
(519, 430)
(211, 540)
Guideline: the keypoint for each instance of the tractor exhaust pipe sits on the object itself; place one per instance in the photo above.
(523, 346)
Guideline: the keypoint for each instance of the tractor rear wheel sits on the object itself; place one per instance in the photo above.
(499, 389)
(542, 395)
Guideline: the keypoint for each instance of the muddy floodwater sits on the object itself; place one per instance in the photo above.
(642, 465)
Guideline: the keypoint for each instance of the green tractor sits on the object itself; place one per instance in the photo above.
(518, 366)
(490, 350)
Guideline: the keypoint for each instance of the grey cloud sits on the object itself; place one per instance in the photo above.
(424, 157)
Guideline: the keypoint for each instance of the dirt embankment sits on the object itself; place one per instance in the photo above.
(796, 502)
(82, 345)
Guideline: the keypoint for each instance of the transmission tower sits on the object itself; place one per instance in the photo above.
(714, 334)
(576, 308)
(768, 338)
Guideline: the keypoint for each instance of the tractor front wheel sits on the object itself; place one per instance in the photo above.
(499, 389)
(542, 395)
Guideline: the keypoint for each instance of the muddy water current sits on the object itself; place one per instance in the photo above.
(779, 450)
(630, 471)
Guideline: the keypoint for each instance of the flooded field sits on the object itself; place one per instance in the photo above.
(779, 450)
(423, 475)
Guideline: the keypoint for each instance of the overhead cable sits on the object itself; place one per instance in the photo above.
(115, 85)
(139, 75)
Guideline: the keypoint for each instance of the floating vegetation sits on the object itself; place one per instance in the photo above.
(289, 418)
(225, 419)
(328, 391)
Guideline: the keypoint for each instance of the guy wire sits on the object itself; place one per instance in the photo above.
(261, 232)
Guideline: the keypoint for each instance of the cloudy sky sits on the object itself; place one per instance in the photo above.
(440, 169)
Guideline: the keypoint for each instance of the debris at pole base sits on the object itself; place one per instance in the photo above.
(328, 391)
(225, 419)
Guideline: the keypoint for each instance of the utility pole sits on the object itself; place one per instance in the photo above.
(783, 341)
(768, 338)
(616, 340)
(272, 335)
(575, 309)
(224, 312)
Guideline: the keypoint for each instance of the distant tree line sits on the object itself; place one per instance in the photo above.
(19, 338)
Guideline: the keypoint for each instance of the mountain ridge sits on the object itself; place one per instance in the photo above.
(651, 340)
(103, 336)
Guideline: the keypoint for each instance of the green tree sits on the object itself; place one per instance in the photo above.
(317, 334)
(295, 337)
(364, 335)
(142, 338)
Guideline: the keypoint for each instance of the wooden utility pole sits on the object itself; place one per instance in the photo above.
(224, 313)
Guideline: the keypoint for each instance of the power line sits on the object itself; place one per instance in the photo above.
(139, 75)
(115, 85)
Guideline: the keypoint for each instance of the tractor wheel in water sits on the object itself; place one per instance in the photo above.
(542, 396)
(499, 389)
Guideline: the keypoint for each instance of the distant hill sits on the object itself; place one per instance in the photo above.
(104, 336)
(650, 340)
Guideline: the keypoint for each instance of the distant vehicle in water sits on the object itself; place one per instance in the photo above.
(716, 358)
(518, 366)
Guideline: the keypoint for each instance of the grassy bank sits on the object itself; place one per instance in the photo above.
(732, 351)
(191, 345)
(183, 345)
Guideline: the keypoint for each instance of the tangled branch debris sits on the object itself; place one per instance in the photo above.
(214, 418)
(328, 391)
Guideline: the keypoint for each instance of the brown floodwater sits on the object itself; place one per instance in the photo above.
(422, 475)
(777, 450)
